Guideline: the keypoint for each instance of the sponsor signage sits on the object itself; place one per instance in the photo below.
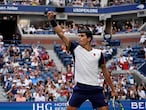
(85, 10)
(42, 9)
(128, 105)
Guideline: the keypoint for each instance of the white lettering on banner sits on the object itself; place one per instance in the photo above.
(138, 105)
(42, 106)
(60, 108)
(49, 106)
(85, 10)
(2, 8)
(8, 8)
(60, 104)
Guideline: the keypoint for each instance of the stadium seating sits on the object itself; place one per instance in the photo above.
(142, 68)
(65, 58)
(115, 42)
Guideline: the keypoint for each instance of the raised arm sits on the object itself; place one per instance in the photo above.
(58, 29)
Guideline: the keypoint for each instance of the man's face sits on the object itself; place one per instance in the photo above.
(83, 39)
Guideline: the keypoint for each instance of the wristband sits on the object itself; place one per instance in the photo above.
(53, 23)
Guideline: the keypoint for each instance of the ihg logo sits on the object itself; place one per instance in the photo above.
(49, 106)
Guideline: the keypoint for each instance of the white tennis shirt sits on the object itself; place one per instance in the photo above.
(86, 65)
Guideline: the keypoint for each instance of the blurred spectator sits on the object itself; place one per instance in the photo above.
(142, 38)
(99, 29)
(51, 64)
(141, 93)
(25, 54)
(35, 62)
(113, 66)
(27, 81)
(39, 97)
(35, 49)
(130, 59)
(61, 97)
(45, 57)
(50, 97)
(16, 38)
(35, 2)
(75, 28)
(61, 2)
(39, 29)
(69, 74)
(32, 29)
(96, 3)
(130, 79)
(49, 2)
(12, 93)
(103, 3)
(93, 43)
(15, 63)
(1, 36)
(28, 94)
(133, 67)
(63, 47)
(16, 50)
(128, 49)
(77, 3)
(123, 63)
(20, 97)
(143, 85)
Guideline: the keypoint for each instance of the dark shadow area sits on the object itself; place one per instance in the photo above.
(8, 28)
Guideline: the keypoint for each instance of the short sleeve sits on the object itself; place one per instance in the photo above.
(101, 60)
(73, 45)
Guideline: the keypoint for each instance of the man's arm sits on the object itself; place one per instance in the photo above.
(108, 79)
(107, 76)
(58, 29)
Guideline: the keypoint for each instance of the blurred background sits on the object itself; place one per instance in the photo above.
(34, 63)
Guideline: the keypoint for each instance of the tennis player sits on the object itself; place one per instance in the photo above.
(87, 62)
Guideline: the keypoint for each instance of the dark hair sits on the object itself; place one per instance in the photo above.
(87, 32)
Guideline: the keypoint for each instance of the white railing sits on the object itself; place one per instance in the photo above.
(143, 27)
(138, 77)
(20, 30)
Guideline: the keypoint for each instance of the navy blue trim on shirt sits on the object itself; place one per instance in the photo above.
(101, 60)
(73, 45)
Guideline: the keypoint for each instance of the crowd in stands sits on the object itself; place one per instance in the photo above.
(119, 27)
(29, 74)
(68, 29)
(73, 3)
(124, 27)
(142, 38)
(130, 59)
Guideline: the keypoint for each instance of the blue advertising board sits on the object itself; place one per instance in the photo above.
(23, 8)
(128, 105)
(84, 10)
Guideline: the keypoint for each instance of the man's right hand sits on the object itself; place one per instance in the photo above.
(50, 15)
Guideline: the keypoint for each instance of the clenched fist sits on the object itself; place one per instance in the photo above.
(50, 15)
